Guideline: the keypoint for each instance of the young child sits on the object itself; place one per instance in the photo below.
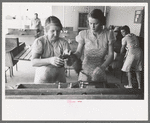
(134, 56)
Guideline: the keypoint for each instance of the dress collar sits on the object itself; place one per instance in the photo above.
(98, 34)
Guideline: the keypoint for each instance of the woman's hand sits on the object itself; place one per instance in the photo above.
(56, 61)
(98, 74)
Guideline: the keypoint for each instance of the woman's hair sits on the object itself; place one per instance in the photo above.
(126, 28)
(97, 14)
(52, 20)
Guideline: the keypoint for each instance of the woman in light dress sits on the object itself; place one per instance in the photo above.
(46, 52)
(95, 43)
(134, 56)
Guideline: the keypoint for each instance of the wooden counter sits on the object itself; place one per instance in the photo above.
(51, 91)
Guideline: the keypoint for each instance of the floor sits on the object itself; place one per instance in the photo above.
(25, 74)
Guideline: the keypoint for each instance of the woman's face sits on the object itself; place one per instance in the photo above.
(123, 32)
(53, 32)
(116, 33)
(94, 24)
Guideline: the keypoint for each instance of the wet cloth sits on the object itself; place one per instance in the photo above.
(49, 73)
(95, 50)
(134, 55)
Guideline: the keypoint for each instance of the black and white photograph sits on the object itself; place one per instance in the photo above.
(63, 60)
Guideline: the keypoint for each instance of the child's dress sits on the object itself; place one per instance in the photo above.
(134, 55)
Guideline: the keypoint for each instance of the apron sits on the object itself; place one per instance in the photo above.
(50, 74)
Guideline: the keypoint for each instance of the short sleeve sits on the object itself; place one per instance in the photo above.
(80, 37)
(124, 41)
(37, 47)
(111, 37)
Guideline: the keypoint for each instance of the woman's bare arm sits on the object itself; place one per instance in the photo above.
(79, 50)
(38, 62)
(122, 50)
